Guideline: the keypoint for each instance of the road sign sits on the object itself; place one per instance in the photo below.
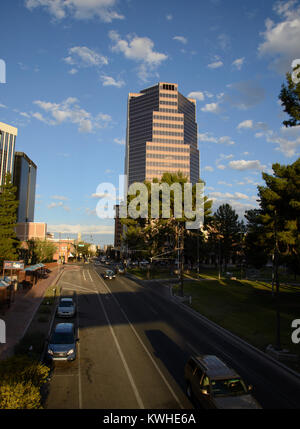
(13, 265)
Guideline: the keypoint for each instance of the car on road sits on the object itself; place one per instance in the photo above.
(212, 384)
(120, 269)
(109, 274)
(66, 307)
(62, 344)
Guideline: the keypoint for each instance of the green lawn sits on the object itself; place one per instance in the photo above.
(246, 308)
(155, 273)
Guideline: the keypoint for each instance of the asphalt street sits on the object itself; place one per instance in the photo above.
(133, 347)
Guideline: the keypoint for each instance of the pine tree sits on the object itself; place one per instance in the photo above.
(290, 99)
(225, 232)
(8, 219)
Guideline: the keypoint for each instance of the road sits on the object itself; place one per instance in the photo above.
(133, 347)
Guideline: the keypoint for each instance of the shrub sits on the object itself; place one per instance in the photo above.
(21, 380)
(23, 369)
(19, 396)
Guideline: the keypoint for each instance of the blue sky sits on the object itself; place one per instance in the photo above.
(71, 64)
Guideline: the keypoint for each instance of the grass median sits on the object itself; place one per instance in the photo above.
(247, 309)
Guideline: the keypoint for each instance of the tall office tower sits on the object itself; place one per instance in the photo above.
(161, 134)
(8, 136)
(25, 181)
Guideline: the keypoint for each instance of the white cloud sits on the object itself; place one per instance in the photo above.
(215, 65)
(208, 168)
(287, 139)
(207, 137)
(79, 9)
(119, 141)
(69, 111)
(226, 139)
(222, 182)
(83, 56)
(59, 197)
(180, 39)
(251, 125)
(110, 81)
(238, 63)
(139, 49)
(211, 108)
(198, 95)
(281, 39)
(73, 71)
(242, 165)
(84, 229)
(245, 124)
(225, 195)
(52, 205)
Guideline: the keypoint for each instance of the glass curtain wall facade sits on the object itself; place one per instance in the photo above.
(161, 134)
(8, 136)
(25, 180)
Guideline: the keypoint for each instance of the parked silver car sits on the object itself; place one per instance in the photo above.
(63, 343)
(66, 307)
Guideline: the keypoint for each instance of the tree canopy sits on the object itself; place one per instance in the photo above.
(8, 219)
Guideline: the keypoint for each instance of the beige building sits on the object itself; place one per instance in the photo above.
(31, 230)
(161, 134)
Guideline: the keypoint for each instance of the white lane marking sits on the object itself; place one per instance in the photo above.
(74, 286)
(83, 275)
(145, 348)
(90, 276)
(78, 348)
(133, 385)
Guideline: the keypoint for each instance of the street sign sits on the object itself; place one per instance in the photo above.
(80, 245)
(13, 265)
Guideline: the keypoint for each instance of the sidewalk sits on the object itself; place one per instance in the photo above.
(21, 312)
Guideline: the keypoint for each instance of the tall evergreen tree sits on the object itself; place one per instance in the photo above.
(256, 246)
(225, 232)
(8, 219)
(290, 99)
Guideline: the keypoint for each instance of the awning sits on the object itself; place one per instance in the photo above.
(4, 282)
(34, 267)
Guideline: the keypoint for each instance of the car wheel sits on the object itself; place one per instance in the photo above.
(189, 391)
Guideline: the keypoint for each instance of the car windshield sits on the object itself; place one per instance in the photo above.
(109, 273)
(66, 304)
(228, 387)
(62, 338)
